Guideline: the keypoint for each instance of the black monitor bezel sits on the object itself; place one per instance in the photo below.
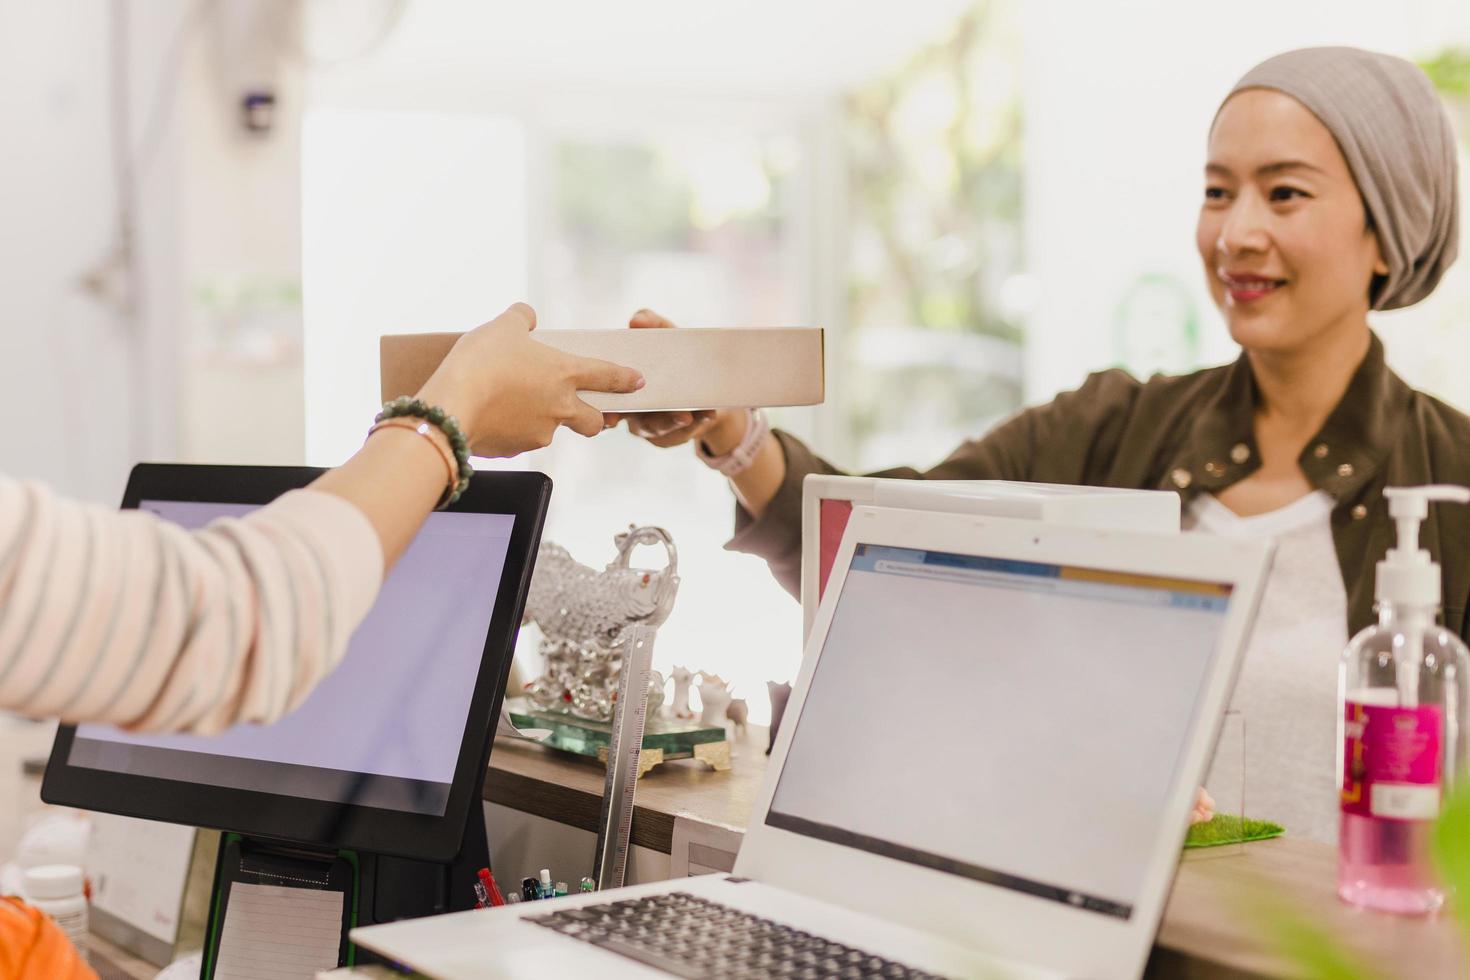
(523, 495)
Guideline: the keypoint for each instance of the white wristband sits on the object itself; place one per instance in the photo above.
(738, 460)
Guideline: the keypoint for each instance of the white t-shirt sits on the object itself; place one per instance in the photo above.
(1287, 692)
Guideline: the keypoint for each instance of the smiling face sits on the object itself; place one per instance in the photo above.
(1282, 231)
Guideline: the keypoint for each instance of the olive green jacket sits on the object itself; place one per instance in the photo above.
(1193, 434)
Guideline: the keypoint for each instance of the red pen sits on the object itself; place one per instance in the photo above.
(488, 881)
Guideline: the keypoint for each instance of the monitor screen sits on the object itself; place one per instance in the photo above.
(382, 730)
(1035, 748)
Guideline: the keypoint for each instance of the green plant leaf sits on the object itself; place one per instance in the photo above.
(1315, 952)
(1452, 853)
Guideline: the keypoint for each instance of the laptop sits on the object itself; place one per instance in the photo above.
(985, 769)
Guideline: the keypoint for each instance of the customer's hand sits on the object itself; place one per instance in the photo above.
(510, 393)
(720, 430)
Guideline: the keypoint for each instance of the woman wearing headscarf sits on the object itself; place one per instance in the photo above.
(1330, 190)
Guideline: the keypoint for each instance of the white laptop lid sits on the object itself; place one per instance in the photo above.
(827, 503)
(999, 729)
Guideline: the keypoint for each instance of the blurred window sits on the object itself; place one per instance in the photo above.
(699, 224)
(889, 215)
(936, 291)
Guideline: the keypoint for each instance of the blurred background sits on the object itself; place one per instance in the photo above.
(212, 209)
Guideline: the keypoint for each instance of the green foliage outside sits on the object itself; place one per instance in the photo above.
(935, 163)
(620, 192)
(934, 172)
(1450, 71)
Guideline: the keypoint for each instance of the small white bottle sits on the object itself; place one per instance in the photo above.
(56, 889)
(1403, 693)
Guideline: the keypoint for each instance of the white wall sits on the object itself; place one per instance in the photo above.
(238, 279)
(413, 222)
(1118, 99)
(69, 362)
(102, 390)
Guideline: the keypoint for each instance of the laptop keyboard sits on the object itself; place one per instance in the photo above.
(696, 938)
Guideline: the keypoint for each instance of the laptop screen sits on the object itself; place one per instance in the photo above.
(384, 728)
(1033, 748)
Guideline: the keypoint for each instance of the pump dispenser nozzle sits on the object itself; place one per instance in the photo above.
(1407, 575)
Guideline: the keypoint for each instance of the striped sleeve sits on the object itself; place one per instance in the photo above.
(121, 617)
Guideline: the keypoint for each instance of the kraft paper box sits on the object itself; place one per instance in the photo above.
(685, 369)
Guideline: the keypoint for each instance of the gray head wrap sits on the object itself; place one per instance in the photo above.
(1392, 129)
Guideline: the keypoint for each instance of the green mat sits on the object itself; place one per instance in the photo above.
(1225, 828)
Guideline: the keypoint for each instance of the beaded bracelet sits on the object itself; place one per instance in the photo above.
(445, 423)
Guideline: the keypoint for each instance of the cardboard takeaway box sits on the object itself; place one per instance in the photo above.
(685, 369)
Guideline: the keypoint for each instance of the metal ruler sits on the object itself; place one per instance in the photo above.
(615, 822)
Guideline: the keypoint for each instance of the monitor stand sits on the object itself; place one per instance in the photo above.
(386, 888)
(396, 888)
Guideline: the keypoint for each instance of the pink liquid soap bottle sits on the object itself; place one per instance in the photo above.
(1402, 724)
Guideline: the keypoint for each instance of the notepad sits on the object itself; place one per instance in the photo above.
(275, 933)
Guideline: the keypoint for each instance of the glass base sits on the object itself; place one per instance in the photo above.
(663, 738)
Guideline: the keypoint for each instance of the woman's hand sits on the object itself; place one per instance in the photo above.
(510, 393)
(1204, 808)
(720, 430)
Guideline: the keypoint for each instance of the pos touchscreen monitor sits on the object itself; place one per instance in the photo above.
(388, 753)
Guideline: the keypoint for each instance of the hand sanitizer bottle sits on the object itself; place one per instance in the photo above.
(1402, 724)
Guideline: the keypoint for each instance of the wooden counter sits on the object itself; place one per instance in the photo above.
(1216, 925)
(1223, 905)
(527, 777)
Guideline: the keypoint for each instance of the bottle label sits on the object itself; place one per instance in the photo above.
(1391, 761)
